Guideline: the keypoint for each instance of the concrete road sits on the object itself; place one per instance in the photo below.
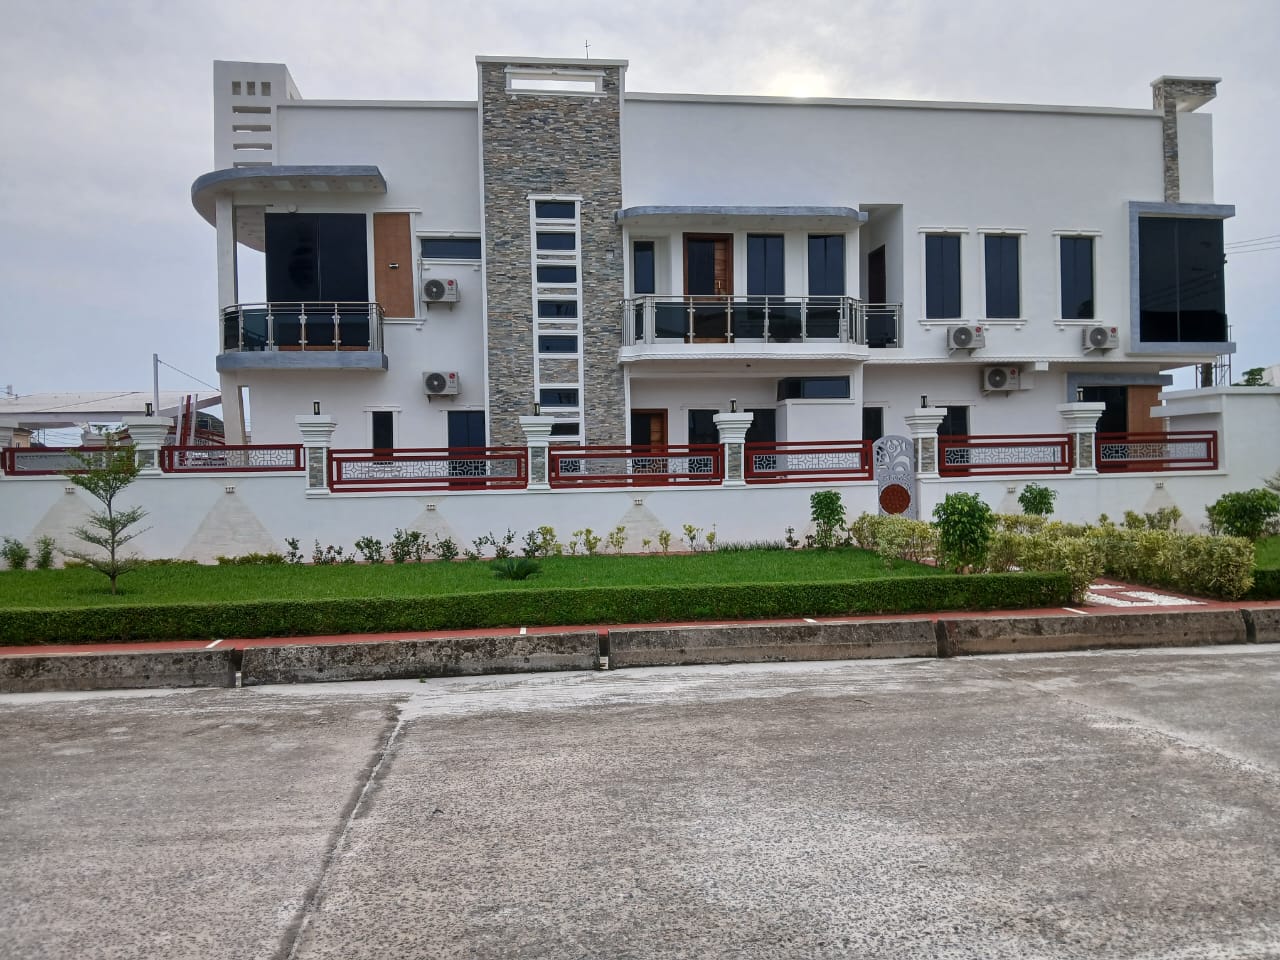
(1085, 805)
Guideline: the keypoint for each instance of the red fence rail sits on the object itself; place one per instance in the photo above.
(243, 458)
(456, 468)
(995, 455)
(1156, 452)
(820, 461)
(635, 466)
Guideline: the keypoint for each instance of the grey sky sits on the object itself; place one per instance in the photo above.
(109, 118)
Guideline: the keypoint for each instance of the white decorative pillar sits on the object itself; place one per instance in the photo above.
(1081, 421)
(224, 219)
(148, 435)
(733, 429)
(317, 436)
(537, 436)
(922, 424)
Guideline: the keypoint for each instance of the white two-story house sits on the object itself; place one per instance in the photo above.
(634, 263)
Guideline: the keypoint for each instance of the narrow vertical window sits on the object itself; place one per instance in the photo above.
(872, 423)
(1002, 276)
(643, 278)
(826, 265)
(765, 276)
(382, 424)
(942, 276)
(1076, 273)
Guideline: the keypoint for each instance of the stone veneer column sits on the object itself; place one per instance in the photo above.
(1081, 421)
(733, 429)
(1169, 95)
(148, 435)
(922, 424)
(563, 144)
(537, 436)
(317, 437)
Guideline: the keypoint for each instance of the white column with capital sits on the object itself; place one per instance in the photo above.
(922, 424)
(148, 435)
(537, 436)
(1081, 421)
(733, 429)
(317, 437)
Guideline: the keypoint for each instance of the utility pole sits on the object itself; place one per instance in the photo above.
(155, 382)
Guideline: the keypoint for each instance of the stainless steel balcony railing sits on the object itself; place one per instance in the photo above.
(724, 319)
(293, 325)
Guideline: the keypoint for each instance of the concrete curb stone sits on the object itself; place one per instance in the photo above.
(36, 673)
(1042, 634)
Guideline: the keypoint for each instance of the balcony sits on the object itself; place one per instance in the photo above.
(659, 327)
(294, 335)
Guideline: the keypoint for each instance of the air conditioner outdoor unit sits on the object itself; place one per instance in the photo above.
(440, 291)
(1001, 378)
(1101, 338)
(966, 338)
(440, 384)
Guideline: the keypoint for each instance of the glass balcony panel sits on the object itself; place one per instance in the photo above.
(287, 322)
(255, 327)
(637, 320)
(711, 321)
(319, 326)
(882, 326)
(670, 320)
(748, 319)
(823, 321)
(784, 321)
(353, 325)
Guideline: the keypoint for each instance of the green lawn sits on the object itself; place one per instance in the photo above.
(184, 583)
(1269, 553)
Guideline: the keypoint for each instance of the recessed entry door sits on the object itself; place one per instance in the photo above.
(708, 272)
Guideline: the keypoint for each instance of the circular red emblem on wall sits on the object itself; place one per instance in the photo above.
(895, 498)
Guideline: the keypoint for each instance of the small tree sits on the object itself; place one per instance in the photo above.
(1037, 500)
(106, 473)
(826, 510)
(1253, 378)
(965, 524)
(1247, 513)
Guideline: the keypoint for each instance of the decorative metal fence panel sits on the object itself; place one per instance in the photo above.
(1157, 452)
(635, 466)
(51, 461)
(232, 459)
(457, 468)
(834, 461)
(994, 455)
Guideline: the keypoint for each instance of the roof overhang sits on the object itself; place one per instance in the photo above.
(255, 187)
(815, 215)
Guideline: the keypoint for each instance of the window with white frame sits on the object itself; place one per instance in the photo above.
(1002, 275)
(1076, 277)
(942, 276)
(556, 267)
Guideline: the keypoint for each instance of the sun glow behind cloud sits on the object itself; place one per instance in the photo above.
(800, 83)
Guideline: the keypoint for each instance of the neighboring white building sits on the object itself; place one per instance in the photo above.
(631, 262)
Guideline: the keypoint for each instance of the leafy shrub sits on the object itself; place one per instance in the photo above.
(617, 539)
(1266, 585)
(664, 540)
(1037, 500)
(515, 568)
(743, 546)
(295, 550)
(446, 549)
(371, 550)
(1248, 513)
(252, 559)
(826, 511)
(965, 524)
(408, 546)
(15, 553)
(559, 606)
(1080, 558)
(45, 547)
(1020, 522)
(895, 537)
(1209, 566)
(541, 543)
(329, 555)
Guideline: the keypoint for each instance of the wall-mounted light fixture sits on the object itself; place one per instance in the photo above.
(150, 409)
(315, 407)
(733, 405)
(1079, 394)
(924, 400)
(537, 409)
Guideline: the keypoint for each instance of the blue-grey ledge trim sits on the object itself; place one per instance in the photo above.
(1143, 208)
(843, 213)
(372, 360)
(231, 179)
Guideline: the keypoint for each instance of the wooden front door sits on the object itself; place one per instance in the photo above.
(708, 272)
(1141, 400)
(649, 432)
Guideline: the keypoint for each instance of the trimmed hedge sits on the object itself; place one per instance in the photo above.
(1266, 585)
(550, 607)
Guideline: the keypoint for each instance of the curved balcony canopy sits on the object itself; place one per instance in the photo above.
(811, 216)
(251, 188)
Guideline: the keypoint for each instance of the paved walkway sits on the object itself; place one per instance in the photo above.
(1105, 597)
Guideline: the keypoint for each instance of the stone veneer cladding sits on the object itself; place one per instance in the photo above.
(561, 144)
(1164, 96)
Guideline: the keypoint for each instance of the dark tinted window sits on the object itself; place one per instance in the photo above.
(702, 426)
(466, 428)
(872, 423)
(1076, 272)
(955, 423)
(450, 248)
(558, 309)
(1182, 295)
(550, 274)
(555, 209)
(764, 425)
(383, 423)
(557, 241)
(813, 388)
(826, 265)
(565, 428)
(1001, 255)
(941, 277)
(316, 256)
(558, 397)
(642, 269)
(1115, 418)
(557, 344)
(765, 266)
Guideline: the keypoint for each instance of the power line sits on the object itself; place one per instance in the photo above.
(1254, 250)
(1235, 243)
(185, 374)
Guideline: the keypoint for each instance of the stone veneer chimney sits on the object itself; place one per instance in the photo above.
(558, 143)
(1171, 96)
